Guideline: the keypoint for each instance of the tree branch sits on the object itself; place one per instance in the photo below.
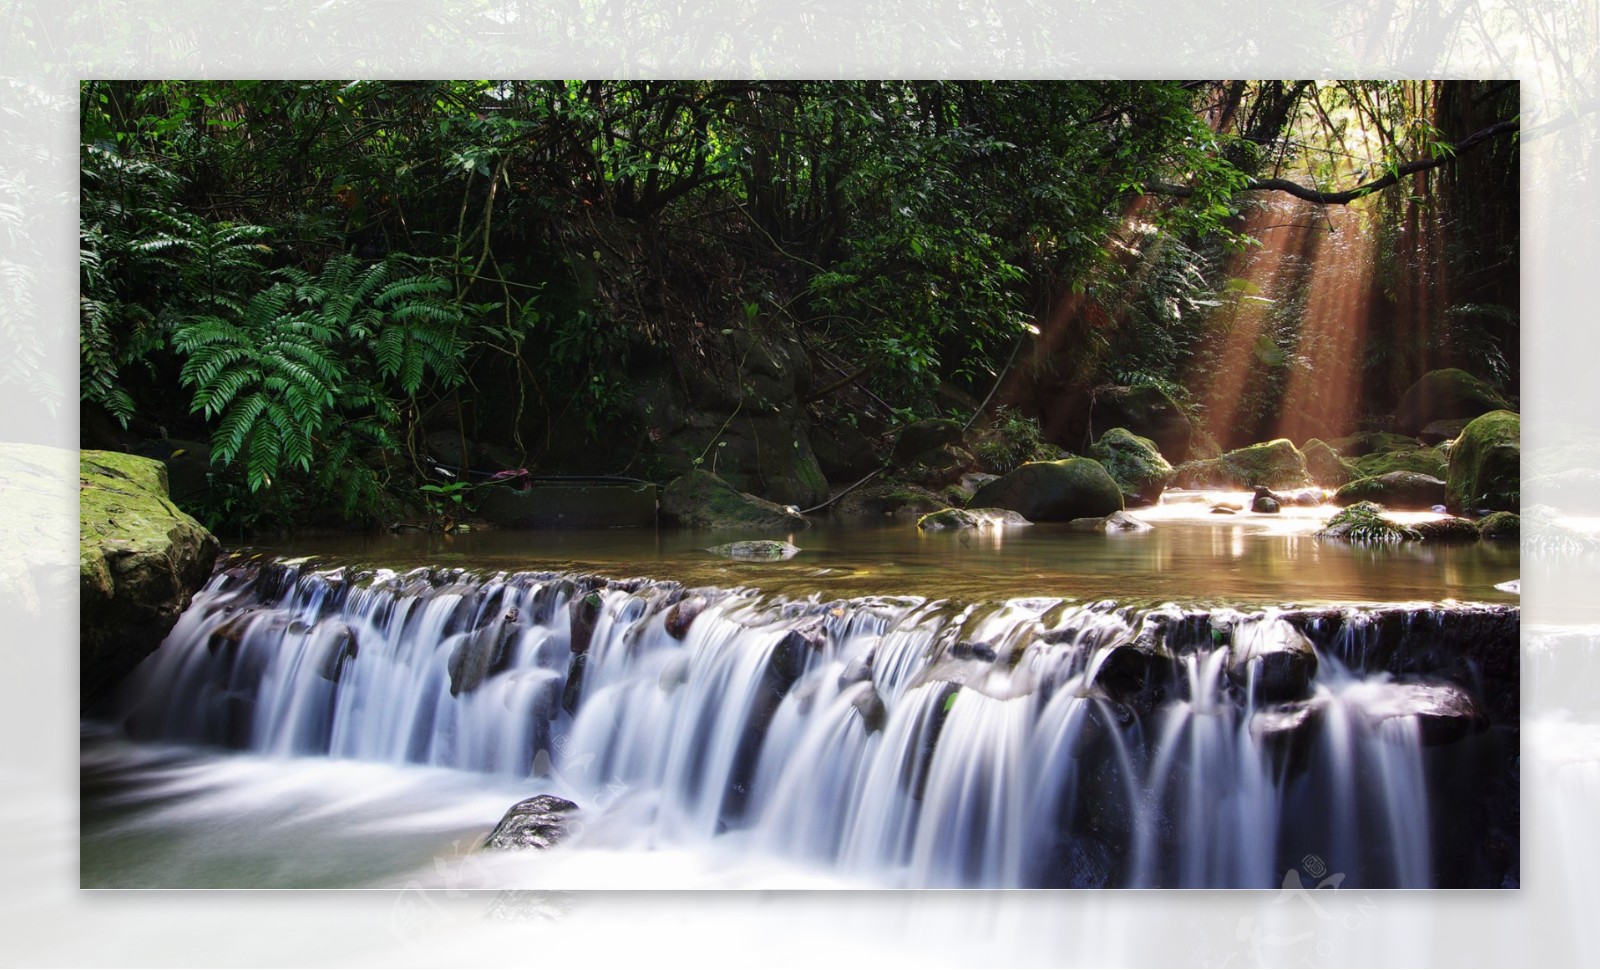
(1361, 191)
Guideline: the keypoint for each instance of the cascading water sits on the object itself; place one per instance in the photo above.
(909, 742)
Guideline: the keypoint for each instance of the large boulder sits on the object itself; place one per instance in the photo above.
(140, 559)
(1275, 464)
(1486, 465)
(1147, 411)
(1441, 394)
(1135, 464)
(1325, 466)
(1411, 458)
(1272, 660)
(1396, 490)
(701, 500)
(1053, 491)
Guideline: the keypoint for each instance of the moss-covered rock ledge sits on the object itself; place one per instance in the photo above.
(140, 559)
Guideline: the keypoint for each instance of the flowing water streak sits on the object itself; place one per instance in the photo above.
(897, 738)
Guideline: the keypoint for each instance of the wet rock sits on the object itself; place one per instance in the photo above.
(1441, 394)
(681, 614)
(1486, 465)
(1443, 712)
(858, 670)
(479, 653)
(958, 519)
(1115, 522)
(1135, 464)
(1288, 732)
(140, 561)
(1274, 657)
(1045, 491)
(535, 823)
(1395, 490)
(871, 709)
(756, 550)
(1264, 503)
(583, 611)
(701, 500)
(572, 690)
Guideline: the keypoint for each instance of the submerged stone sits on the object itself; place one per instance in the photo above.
(756, 550)
(1115, 522)
(970, 519)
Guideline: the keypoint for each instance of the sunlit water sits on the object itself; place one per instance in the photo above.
(332, 724)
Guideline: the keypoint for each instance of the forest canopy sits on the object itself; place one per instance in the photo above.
(345, 289)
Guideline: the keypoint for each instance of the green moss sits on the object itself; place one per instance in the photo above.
(1485, 469)
(1500, 525)
(1421, 461)
(1447, 393)
(1275, 464)
(1447, 530)
(1135, 464)
(701, 500)
(1401, 490)
(1054, 490)
(1324, 465)
(1364, 522)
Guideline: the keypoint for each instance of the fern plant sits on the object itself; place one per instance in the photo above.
(311, 352)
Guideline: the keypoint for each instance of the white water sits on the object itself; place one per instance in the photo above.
(884, 742)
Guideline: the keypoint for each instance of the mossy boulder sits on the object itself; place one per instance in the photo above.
(1396, 490)
(1420, 461)
(1364, 522)
(1445, 429)
(1448, 529)
(140, 560)
(1441, 394)
(1500, 525)
(886, 498)
(701, 500)
(1485, 470)
(1325, 466)
(1054, 491)
(1135, 464)
(1275, 464)
(1147, 411)
(1367, 442)
(926, 435)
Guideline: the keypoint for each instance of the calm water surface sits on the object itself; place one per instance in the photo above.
(1191, 556)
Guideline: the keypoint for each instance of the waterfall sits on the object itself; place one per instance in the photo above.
(1032, 742)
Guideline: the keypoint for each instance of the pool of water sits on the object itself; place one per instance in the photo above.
(1190, 556)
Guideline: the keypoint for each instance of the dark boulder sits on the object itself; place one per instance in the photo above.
(1441, 394)
(1443, 712)
(1273, 659)
(1045, 491)
(535, 823)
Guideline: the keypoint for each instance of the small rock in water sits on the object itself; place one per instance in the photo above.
(755, 550)
(971, 519)
(1512, 586)
(1226, 508)
(1115, 522)
(535, 823)
(1264, 503)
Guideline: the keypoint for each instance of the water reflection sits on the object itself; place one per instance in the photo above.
(1189, 555)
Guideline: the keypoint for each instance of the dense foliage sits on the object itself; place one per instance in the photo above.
(316, 275)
